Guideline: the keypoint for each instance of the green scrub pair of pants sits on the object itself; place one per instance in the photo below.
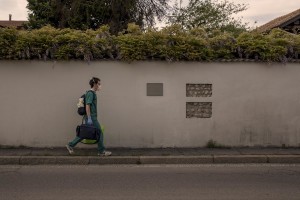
(101, 147)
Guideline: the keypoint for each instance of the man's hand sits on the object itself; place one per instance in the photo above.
(89, 121)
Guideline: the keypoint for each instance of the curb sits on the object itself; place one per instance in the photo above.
(176, 159)
(241, 159)
(290, 159)
(119, 160)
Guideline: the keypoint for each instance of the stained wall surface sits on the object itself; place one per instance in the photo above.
(234, 104)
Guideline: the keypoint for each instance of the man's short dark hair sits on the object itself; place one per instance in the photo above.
(94, 81)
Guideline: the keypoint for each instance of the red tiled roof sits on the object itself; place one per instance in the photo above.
(279, 21)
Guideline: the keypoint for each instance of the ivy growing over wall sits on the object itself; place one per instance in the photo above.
(171, 44)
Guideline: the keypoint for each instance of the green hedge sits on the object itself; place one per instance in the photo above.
(171, 44)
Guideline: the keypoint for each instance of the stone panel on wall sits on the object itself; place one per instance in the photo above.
(198, 90)
(198, 109)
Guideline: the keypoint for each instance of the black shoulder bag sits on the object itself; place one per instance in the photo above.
(86, 131)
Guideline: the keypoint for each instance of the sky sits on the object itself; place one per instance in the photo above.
(260, 11)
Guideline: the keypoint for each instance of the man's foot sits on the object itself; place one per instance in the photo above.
(70, 149)
(104, 153)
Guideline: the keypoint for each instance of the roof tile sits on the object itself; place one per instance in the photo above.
(278, 21)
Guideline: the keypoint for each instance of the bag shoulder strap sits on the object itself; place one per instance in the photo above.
(92, 93)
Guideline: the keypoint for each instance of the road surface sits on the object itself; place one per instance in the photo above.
(138, 182)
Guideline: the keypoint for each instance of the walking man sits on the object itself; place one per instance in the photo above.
(91, 117)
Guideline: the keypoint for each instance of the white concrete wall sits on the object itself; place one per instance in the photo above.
(253, 104)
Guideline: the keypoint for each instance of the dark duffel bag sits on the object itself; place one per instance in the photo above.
(89, 132)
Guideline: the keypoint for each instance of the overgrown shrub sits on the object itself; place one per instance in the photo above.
(278, 46)
(223, 46)
(171, 44)
(8, 38)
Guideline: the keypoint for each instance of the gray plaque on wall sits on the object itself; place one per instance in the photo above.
(155, 89)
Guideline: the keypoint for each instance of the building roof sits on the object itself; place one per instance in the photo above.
(12, 23)
(280, 21)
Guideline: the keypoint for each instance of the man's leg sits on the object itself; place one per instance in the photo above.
(101, 147)
(73, 144)
(75, 141)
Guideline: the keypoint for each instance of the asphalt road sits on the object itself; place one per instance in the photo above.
(138, 182)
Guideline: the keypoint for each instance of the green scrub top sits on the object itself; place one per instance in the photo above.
(91, 99)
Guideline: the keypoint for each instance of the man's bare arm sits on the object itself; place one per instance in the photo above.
(88, 110)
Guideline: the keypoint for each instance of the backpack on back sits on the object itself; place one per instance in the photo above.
(82, 104)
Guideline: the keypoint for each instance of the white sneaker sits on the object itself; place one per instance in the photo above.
(104, 153)
(70, 149)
